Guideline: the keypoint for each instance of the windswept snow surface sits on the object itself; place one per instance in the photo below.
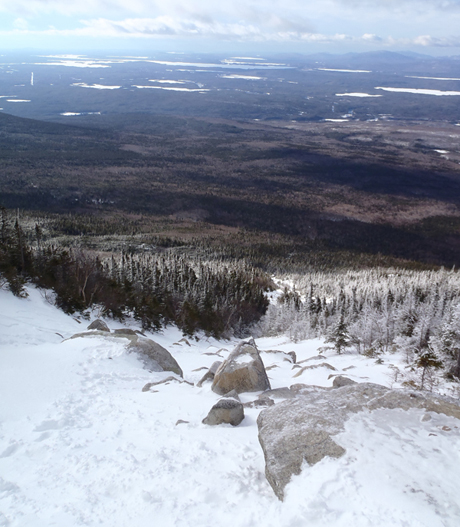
(81, 444)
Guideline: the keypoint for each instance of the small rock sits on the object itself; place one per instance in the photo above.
(181, 422)
(313, 367)
(341, 380)
(100, 325)
(209, 375)
(290, 356)
(260, 403)
(316, 357)
(225, 411)
(232, 395)
(147, 387)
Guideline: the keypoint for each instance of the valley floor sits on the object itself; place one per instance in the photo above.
(81, 444)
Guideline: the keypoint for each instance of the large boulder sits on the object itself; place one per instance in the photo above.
(156, 357)
(303, 428)
(243, 371)
(228, 411)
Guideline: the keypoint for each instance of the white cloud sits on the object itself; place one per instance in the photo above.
(21, 23)
(169, 27)
(371, 23)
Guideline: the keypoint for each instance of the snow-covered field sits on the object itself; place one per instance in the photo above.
(356, 94)
(438, 93)
(81, 444)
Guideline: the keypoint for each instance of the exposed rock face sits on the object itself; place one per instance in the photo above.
(243, 371)
(209, 375)
(158, 357)
(302, 429)
(100, 325)
(225, 411)
(155, 356)
(341, 380)
(124, 331)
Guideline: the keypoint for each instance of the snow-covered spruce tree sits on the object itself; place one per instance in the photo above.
(383, 310)
(427, 361)
(338, 335)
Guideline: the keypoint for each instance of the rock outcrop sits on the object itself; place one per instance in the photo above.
(225, 411)
(99, 324)
(302, 429)
(209, 375)
(243, 371)
(157, 357)
(341, 380)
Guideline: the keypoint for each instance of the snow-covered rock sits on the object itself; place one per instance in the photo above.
(302, 429)
(243, 371)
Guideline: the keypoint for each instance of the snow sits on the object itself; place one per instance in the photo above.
(81, 444)
(438, 93)
(172, 89)
(243, 77)
(434, 78)
(95, 86)
(18, 100)
(169, 81)
(69, 114)
(74, 64)
(337, 120)
(357, 94)
(345, 71)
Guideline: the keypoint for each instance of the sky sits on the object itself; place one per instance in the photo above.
(303, 26)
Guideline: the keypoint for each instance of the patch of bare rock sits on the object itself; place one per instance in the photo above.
(302, 427)
(155, 357)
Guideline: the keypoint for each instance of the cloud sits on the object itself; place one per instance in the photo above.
(416, 23)
(281, 30)
(21, 23)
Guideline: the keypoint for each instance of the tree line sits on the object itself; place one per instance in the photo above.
(218, 297)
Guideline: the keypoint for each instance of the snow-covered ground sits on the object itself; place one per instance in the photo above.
(81, 444)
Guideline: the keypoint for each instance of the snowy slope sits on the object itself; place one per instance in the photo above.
(81, 444)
